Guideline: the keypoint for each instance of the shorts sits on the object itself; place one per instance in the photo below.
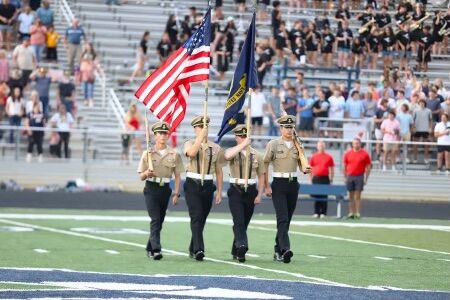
(421, 134)
(378, 134)
(388, 53)
(389, 147)
(257, 121)
(7, 28)
(306, 124)
(355, 183)
(405, 137)
(125, 143)
(345, 50)
(443, 148)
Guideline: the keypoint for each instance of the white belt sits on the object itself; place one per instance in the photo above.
(284, 175)
(242, 181)
(199, 176)
(159, 179)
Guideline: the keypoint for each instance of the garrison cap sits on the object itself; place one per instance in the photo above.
(160, 127)
(198, 121)
(287, 121)
(240, 130)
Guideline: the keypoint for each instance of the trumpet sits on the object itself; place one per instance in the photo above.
(365, 27)
(416, 24)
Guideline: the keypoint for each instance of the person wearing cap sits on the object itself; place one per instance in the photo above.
(165, 162)
(284, 157)
(199, 195)
(242, 201)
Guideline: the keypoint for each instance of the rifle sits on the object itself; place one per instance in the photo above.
(147, 139)
(303, 164)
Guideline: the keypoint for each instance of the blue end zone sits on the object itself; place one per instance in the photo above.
(101, 285)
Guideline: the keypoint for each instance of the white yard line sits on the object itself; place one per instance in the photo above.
(317, 256)
(251, 255)
(382, 258)
(352, 240)
(40, 250)
(172, 219)
(248, 266)
(443, 259)
(114, 252)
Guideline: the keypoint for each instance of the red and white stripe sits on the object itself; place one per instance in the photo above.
(165, 91)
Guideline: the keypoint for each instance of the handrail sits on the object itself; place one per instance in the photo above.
(116, 107)
(99, 73)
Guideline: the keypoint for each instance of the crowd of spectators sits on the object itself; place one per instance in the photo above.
(29, 67)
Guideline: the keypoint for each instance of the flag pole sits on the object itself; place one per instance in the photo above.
(147, 139)
(247, 148)
(205, 116)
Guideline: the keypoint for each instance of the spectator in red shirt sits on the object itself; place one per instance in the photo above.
(357, 165)
(322, 165)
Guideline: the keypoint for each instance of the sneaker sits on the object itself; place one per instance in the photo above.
(384, 168)
(394, 169)
(315, 216)
(415, 161)
(240, 255)
(438, 172)
(357, 217)
(426, 161)
(287, 255)
(350, 216)
(199, 255)
(28, 158)
(322, 216)
(447, 172)
(40, 158)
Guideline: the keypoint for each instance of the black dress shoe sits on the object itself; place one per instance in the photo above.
(157, 256)
(287, 255)
(241, 250)
(199, 255)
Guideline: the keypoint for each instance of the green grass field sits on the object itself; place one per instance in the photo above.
(413, 258)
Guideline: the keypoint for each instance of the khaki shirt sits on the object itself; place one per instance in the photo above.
(163, 166)
(217, 162)
(257, 165)
(283, 159)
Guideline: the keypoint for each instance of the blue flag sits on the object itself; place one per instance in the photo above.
(245, 77)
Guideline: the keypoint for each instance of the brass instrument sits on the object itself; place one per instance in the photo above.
(365, 27)
(416, 24)
(444, 30)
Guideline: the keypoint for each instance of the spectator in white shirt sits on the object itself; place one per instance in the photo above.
(34, 99)
(26, 19)
(25, 59)
(442, 133)
(336, 112)
(257, 110)
(14, 109)
(63, 120)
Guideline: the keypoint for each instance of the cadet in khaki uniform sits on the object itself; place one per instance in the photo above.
(284, 157)
(242, 202)
(166, 161)
(199, 197)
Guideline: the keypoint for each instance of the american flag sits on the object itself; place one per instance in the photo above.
(166, 90)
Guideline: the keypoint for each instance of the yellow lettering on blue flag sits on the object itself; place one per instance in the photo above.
(238, 94)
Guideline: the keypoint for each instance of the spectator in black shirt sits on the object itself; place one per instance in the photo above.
(35, 118)
(322, 21)
(403, 45)
(383, 19)
(66, 93)
(296, 32)
(8, 14)
(312, 43)
(320, 110)
(222, 56)
(416, 26)
(388, 42)
(141, 56)
(357, 53)
(342, 14)
(262, 64)
(424, 52)
(344, 38)
(365, 18)
(299, 53)
(172, 29)
(327, 46)
(230, 32)
(276, 17)
(401, 16)
(185, 29)
(439, 22)
(15, 80)
(373, 44)
(164, 48)
(282, 41)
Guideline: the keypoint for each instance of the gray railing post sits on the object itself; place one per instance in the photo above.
(85, 144)
(404, 156)
(341, 154)
(17, 143)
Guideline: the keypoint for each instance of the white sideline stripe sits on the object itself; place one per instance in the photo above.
(317, 256)
(40, 250)
(353, 241)
(443, 259)
(94, 237)
(219, 221)
(382, 258)
(114, 252)
(252, 255)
